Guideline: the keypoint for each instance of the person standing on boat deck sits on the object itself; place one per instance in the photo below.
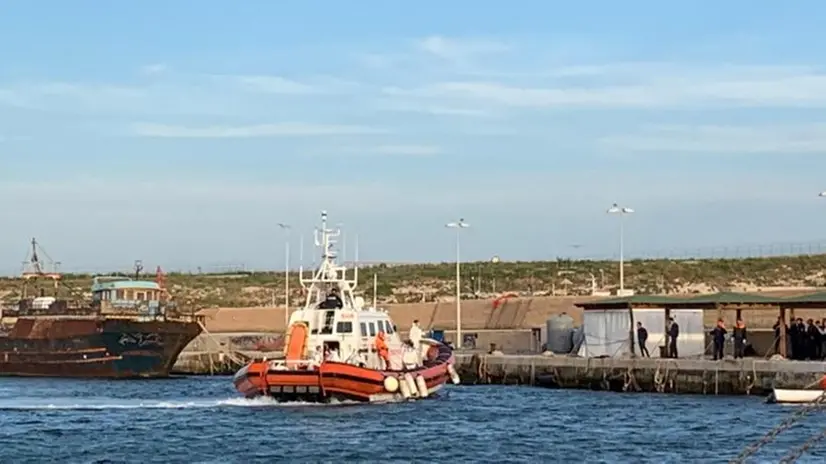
(673, 333)
(718, 337)
(383, 351)
(333, 300)
(739, 336)
(415, 335)
(318, 357)
(642, 337)
(332, 355)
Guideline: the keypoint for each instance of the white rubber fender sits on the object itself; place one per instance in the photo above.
(454, 376)
(411, 384)
(422, 387)
(391, 384)
(405, 389)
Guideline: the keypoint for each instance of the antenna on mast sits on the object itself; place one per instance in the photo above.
(300, 259)
(356, 261)
(375, 290)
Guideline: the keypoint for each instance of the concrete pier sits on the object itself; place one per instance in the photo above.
(689, 376)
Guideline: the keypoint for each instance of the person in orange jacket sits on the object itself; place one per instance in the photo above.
(383, 350)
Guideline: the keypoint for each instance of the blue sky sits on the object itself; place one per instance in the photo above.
(182, 132)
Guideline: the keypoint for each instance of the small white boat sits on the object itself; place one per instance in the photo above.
(780, 395)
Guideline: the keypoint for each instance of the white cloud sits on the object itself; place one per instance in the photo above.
(166, 93)
(155, 68)
(432, 109)
(273, 84)
(83, 97)
(457, 49)
(291, 129)
(649, 86)
(413, 150)
(789, 139)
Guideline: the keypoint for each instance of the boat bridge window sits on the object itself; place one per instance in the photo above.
(385, 326)
(363, 329)
(344, 327)
(119, 295)
(372, 329)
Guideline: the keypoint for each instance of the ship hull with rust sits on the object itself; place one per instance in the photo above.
(94, 347)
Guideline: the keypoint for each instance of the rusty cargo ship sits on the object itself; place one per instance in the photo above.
(129, 328)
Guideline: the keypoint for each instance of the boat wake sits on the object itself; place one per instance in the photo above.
(92, 404)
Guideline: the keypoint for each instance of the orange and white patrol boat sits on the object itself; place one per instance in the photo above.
(338, 348)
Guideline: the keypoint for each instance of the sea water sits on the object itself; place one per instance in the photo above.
(202, 420)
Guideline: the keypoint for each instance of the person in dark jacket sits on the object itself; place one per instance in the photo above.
(718, 337)
(802, 340)
(822, 328)
(813, 338)
(739, 336)
(642, 337)
(673, 334)
(777, 326)
(794, 340)
(333, 300)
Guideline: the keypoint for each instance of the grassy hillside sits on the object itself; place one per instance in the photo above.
(427, 282)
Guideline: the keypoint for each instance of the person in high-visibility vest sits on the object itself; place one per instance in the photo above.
(383, 350)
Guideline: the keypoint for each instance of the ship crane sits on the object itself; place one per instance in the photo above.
(35, 268)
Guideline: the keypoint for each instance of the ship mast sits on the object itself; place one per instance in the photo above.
(33, 267)
(329, 274)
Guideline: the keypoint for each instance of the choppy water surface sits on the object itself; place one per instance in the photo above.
(202, 420)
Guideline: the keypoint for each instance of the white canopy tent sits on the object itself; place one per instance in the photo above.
(607, 331)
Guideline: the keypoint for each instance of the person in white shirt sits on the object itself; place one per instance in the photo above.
(410, 358)
(415, 336)
(318, 357)
(332, 356)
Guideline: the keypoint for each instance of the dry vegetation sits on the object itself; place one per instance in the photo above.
(429, 282)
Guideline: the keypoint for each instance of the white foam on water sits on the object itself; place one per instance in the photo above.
(29, 403)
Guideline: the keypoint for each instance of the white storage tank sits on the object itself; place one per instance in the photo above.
(560, 330)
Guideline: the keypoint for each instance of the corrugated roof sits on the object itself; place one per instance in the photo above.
(818, 297)
(632, 300)
(732, 298)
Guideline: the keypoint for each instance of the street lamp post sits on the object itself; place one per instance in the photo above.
(286, 228)
(494, 261)
(621, 211)
(458, 225)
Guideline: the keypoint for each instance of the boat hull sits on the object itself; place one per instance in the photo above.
(341, 381)
(789, 396)
(94, 347)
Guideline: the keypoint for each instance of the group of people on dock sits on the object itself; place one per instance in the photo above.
(806, 341)
(738, 336)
